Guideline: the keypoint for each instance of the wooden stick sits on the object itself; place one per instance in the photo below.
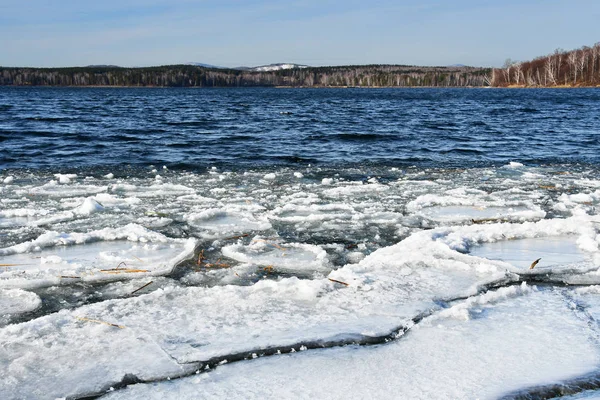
(237, 237)
(486, 220)
(137, 290)
(69, 277)
(100, 322)
(121, 271)
(218, 264)
(336, 281)
(533, 264)
(200, 257)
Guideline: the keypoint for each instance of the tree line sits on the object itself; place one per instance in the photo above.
(579, 67)
(196, 76)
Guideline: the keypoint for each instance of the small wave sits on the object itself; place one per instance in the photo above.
(49, 119)
(294, 159)
(528, 110)
(359, 137)
(441, 126)
(40, 134)
(191, 124)
(460, 150)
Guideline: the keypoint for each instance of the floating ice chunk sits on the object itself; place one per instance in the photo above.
(291, 257)
(354, 256)
(51, 260)
(225, 221)
(21, 216)
(355, 190)
(55, 255)
(18, 301)
(154, 222)
(313, 212)
(54, 190)
(326, 181)
(8, 180)
(579, 198)
(270, 177)
(65, 178)
(109, 176)
(468, 213)
(89, 207)
(553, 251)
(98, 261)
(299, 175)
(109, 200)
(196, 199)
(156, 190)
(513, 164)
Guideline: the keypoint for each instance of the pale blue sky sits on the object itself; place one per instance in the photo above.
(47, 33)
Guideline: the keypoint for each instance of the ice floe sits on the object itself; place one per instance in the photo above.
(109, 254)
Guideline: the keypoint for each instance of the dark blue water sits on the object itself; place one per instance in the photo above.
(195, 128)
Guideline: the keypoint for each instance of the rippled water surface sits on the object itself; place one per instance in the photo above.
(53, 127)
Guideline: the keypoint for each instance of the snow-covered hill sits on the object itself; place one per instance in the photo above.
(277, 67)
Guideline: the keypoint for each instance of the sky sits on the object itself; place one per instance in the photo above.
(229, 33)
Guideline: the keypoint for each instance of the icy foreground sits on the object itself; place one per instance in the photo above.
(412, 284)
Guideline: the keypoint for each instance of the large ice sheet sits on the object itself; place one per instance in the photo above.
(515, 339)
(60, 355)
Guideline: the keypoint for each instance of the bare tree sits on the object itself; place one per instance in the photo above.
(581, 63)
(518, 71)
(506, 70)
(572, 60)
(549, 70)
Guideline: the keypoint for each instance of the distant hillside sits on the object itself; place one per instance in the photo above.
(297, 76)
(579, 67)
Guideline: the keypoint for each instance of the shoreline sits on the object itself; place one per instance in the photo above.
(303, 87)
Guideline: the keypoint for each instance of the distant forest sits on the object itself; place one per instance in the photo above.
(195, 76)
(579, 67)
